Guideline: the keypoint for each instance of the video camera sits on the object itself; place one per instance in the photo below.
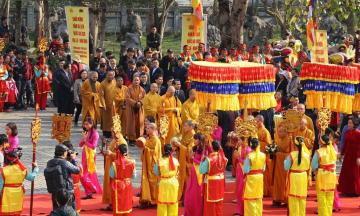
(70, 152)
(17, 152)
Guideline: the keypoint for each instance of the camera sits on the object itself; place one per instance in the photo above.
(17, 151)
(70, 152)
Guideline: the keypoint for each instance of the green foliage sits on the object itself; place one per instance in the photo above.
(297, 10)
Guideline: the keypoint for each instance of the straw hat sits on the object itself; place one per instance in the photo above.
(77, 58)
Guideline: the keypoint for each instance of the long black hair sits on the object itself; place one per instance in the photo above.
(123, 149)
(326, 139)
(167, 150)
(254, 143)
(300, 140)
(199, 149)
(216, 145)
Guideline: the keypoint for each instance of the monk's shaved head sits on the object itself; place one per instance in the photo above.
(171, 88)
(154, 88)
(192, 95)
(170, 91)
(300, 108)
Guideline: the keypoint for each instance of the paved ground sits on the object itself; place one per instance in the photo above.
(46, 145)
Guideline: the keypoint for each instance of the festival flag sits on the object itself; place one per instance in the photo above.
(311, 7)
(310, 29)
(310, 33)
(197, 11)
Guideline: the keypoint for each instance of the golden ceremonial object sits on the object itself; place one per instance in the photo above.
(245, 127)
(35, 134)
(207, 123)
(164, 126)
(291, 122)
(61, 125)
(140, 142)
(42, 42)
(324, 116)
(116, 123)
(2, 44)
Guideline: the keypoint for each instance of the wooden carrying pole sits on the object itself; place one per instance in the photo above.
(35, 133)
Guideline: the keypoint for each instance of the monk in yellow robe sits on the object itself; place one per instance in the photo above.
(190, 111)
(310, 125)
(151, 102)
(106, 102)
(134, 97)
(111, 156)
(150, 153)
(309, 138)
(119, 99)
(90, 99)
(172, 110)
(265, 139)
(183, 156)
(280, 174)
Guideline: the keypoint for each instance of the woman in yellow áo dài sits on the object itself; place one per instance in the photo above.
(254, 167)
(325, 161)
(167, 168)
(297, 163)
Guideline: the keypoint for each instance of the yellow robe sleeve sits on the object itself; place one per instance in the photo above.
(119, 96)
(102, 102)
(147, 107)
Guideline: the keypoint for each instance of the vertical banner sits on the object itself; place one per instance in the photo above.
(357, 47)
(187, 35)
(319, 52)
(78, 26)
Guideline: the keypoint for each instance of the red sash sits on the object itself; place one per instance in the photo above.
(329, 167)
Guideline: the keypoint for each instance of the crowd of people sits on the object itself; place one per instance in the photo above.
(143, 88)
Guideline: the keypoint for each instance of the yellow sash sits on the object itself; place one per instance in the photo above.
(198, 175)
(90, 155)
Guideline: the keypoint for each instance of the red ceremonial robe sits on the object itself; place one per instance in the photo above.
(349, 179)
(3, 88)
(76, 182)
(122, 187)
(214, 188)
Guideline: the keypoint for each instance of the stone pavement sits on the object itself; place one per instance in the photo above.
(46, 145)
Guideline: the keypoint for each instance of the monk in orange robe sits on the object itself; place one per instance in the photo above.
(183, 156)
(134, 97)
(90, 99)
(150, 153)
(106, 102)
(119, 99)
(265, 139)
(172, 110)
(280, 174)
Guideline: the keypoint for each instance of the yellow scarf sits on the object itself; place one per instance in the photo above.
(90, 155)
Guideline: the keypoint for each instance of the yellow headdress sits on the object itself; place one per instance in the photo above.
(329, 149)
(303, 146)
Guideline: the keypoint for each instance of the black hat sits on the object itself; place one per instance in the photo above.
(23, 44)
(99, 50)
(61, 148)
(3, 18)
(130, 49)
(108, 53)
(19, 52)
(170, 51)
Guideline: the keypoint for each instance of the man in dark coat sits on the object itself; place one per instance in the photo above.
(168, 63)
(153, 39)
(65, 90)
(181, 72)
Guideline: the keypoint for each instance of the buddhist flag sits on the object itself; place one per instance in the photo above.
(197, 11)
(310, 33)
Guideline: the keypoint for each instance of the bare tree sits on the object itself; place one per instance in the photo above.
(237, 21)
(150, 17)
(39, 19)
(18, 22)
(275, 12)
(47, 23)
(5, 8)
(163, 17)
(103, 22)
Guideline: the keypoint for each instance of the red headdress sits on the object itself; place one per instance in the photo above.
(16, 161)
(243, 45)
(121, 159)
(268, 45)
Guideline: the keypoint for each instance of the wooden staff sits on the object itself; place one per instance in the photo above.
(35, 133)
(106, 141)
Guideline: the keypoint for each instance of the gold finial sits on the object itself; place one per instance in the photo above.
(246, 116)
